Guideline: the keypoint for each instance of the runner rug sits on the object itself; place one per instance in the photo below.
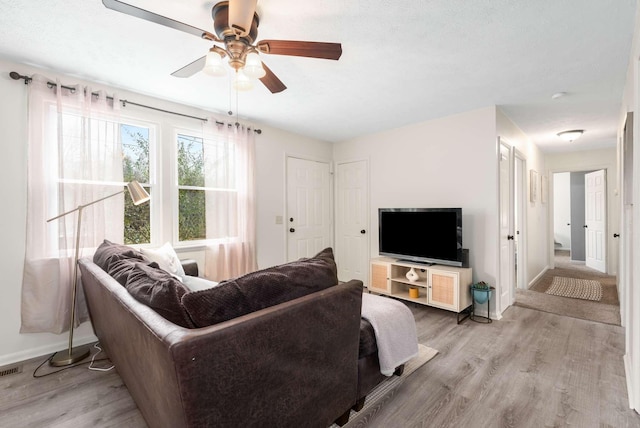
(585, 289)
(385, 391)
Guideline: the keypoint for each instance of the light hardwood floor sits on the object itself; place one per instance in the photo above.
(530, 369)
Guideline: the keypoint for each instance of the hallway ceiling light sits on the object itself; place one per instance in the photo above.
(571, 135)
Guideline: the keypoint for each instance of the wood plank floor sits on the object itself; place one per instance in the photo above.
(531, 369)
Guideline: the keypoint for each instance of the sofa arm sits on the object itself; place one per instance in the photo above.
(293, 364)
(190, 267)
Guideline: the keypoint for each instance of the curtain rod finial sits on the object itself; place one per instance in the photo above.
(17, 76)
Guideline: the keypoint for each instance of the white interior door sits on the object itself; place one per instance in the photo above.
(507, 247)
(595, 184)
(352, 221)
(308, 221)
(520, 196)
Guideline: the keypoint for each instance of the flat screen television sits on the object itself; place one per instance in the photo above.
(422, 235)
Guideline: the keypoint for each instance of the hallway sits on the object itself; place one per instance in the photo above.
(606, 310)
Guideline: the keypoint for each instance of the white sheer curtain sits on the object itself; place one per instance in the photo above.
(74, 157)
(230, 201)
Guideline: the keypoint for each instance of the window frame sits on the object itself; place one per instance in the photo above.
(211, 137)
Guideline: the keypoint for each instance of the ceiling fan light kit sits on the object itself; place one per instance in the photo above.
(253, 66)
(242, 82)
(571, 135)
(235, 24)
(213, 64)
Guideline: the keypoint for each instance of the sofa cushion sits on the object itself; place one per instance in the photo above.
(261, 289)
(120, 267)
(166, 258)
(159, 290)
(107, 250)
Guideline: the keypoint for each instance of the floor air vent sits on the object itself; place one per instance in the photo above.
(9, 370)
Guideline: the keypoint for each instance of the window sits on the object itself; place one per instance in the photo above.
(135, 163)
(206, 188)
(191, 189)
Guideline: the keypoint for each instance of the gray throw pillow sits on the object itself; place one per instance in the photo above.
(261, 289)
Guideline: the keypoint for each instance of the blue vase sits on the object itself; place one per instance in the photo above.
(481, 296)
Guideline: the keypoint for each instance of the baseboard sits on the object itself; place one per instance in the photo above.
(27, 354)
(534, 280)
(628, 378)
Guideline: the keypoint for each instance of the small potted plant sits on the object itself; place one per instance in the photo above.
(481, 292)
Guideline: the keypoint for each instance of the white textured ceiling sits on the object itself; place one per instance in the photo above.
(403, 61)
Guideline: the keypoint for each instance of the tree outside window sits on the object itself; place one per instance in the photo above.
(135, 151)
(191, 189)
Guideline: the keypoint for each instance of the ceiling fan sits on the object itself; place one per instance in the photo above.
(235, 23)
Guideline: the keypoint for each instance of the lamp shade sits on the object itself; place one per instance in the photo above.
(213, 64)
(253, 66)
(571, 135)
(242, 81)
(137, 193)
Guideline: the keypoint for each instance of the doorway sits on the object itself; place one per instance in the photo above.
(520, 219)
(352, 220)
(580, 217)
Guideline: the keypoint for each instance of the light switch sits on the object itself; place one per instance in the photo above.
(279, 219)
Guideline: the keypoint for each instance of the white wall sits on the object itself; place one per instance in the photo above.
(561, 210)
(271, 147)
(592, 160)
(447, 162)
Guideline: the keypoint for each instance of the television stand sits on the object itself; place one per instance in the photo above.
(444, 287)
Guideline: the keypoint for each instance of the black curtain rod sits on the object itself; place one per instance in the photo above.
(17, 76)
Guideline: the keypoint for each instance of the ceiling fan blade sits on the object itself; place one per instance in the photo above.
(128, 9)
(191, 69)
(271, 81)
(241, 15)
(298, 48)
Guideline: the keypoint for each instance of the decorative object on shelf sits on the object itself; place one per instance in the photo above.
(414, 293)
(412, 275)
(481, 292)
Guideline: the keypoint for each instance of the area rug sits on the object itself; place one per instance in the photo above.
(385, 391)
(585, 289)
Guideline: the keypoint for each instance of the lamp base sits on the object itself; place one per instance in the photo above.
(66, 358)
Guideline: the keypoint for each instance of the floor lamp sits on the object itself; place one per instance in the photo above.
(73, 355)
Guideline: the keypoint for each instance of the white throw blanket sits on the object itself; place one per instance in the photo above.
(395, 330)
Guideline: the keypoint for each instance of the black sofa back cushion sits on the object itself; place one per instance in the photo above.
(108, 250)
(159, 290)
(261, 289)
(120, 267)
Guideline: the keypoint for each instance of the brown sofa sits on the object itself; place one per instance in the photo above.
(289, 365)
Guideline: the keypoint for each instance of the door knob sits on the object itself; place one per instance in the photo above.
(585, 226)
(510, 237)
(568, 224)
(291, 219)
(363, 231)
(616, 235)
(292, 230)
